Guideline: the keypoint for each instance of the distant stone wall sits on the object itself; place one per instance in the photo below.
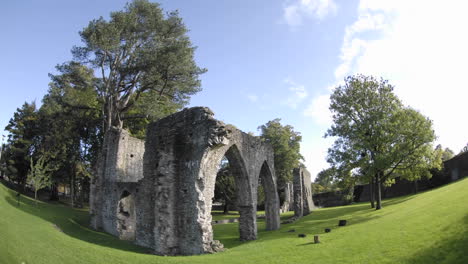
(401, 187)
(302, 189)
(457, 167)
(159, 193)
(288, 202)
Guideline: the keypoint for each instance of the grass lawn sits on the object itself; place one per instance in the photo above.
(430, 227)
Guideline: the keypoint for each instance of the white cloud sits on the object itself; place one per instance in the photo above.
(318, 110)
(423, 52)
(252, 98)
(297, 94)
(295, 12)
(421, 48)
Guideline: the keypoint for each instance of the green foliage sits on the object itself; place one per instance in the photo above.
(71, 124)
(416, 229)
(446, 153)
(286, 146)
(325, 180)
(22, 141)
(225, 186)
(144, 60)
(376, 134)
(39, 175)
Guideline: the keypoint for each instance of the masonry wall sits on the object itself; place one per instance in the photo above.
(400, 188)
(159, 193)
(302, 189)
(457, 167)
(119, 170)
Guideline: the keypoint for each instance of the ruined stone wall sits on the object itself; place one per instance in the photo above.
(288, 203)
(308, 204)
(303, 203)
(159, 193)
(119, 169)
(183, 153)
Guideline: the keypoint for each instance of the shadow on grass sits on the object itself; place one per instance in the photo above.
(72, 222)
(452, 250)
(397, 200)
(75, 223)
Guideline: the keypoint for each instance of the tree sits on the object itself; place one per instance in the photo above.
(286, 146)
(39, 176)
(71, 126)
(325, 180)
(377, 134)
(141, 56)
(225, 187)
(447, 153)
(22, 136)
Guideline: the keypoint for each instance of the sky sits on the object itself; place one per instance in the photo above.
(270, 59)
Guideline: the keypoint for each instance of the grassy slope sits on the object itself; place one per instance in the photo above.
(431, 227)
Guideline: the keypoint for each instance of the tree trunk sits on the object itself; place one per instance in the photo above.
(226, 208)
(371, 190)
(35, 196)
(72, 187)
(54, 192)
(378, 191)
(108, 114)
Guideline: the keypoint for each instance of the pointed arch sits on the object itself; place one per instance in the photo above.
(271, 197)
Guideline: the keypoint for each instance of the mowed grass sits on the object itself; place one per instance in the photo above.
(430, 227)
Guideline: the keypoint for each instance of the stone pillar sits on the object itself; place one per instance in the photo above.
(308, 203)
(288, 203)
(248, 223)
(298, 196)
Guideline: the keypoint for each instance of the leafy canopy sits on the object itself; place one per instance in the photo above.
(286, 146)
(140, 55)
(377, 134)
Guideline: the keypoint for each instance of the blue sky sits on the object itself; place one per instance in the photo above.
(271, 59)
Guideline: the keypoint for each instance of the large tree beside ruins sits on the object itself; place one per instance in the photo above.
(377, 137)
(143, 59)
(286, 146)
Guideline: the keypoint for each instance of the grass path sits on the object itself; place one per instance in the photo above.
(430, 227)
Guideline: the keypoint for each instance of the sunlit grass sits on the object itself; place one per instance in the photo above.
(430, 227)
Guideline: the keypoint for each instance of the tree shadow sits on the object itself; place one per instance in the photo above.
(453, 250)
(397, 200)
(72, 222)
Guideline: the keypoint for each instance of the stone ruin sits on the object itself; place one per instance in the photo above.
(159, 193)
(298, 193)
(302, 183)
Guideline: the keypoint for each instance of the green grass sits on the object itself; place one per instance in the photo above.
(219, 215)
(430, 227)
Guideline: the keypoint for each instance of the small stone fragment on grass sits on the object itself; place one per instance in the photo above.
(316, 239)
(301, 235)
(327, 230)
(58, 228)
(342, 223)
(292, 230)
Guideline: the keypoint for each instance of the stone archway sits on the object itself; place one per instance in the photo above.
(175, 187)
(245, 202)
(271, 197)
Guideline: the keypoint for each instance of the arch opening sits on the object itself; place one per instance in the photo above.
(243, 202)
(270, 194)
(126, 219)
(225, 196)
